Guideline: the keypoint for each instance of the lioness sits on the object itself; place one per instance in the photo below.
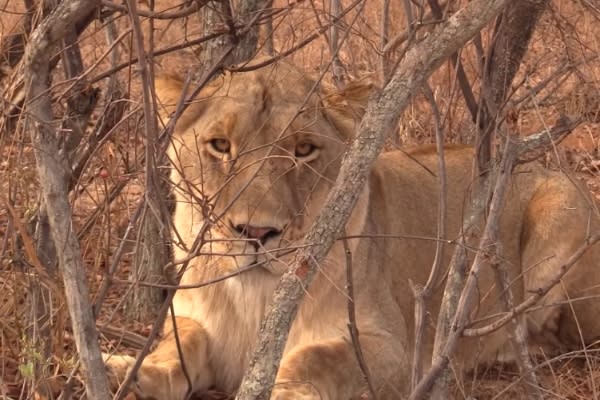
(253, 161)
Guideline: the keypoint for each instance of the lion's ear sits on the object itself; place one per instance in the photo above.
(168, 93)
(345, 108)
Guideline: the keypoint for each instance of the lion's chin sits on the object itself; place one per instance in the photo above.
(275, 266)
(234, 265)
(274, 262)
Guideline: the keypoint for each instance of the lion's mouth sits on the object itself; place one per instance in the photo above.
(277, 261)
(241, 256)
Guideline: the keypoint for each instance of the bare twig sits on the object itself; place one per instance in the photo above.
(537, 144)
(463, 80)
(151, 251)
(383, 39)
(337, 68)
(81, 99)
(517, 333)
(14, 94)
(160, 318)
(190, 8)
(512, 34)
(422, 295)
(123, 335)
(393, 43)
(352, 322)
(157, 52)
(180, 353)
(248, 13)
(268, 32)
(304, 42)
(162, 312)
(537, 295)
(13, 43)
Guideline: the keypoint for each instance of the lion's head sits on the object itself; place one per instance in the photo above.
(253, 161)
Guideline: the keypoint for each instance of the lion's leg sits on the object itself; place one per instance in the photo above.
(556, 222)
(330, 371)
(161, 375)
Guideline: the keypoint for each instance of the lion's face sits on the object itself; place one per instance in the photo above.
(253, 163)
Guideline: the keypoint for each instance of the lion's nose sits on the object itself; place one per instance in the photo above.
(258, 233)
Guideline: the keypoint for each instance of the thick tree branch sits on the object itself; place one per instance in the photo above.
(511, 40)
(54, 177)
(382, 114)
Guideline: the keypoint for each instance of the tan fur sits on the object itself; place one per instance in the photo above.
(263, 184)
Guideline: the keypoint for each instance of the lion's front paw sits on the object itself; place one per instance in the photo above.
(295, 391)
(154, 380)
(117, 367)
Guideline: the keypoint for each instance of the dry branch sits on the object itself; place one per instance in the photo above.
(54, 177)
(352, 328)
(511, 39)
(382, 114)
(13, 93)
(337, 68)
(463, 80)
(304, 42)
(151, 251)
(185, 11)
(457, 310)
(13, 43)
(423, 294)
(468, 295)
(538, 294)
(249, 10)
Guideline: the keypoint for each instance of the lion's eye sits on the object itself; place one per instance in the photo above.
(304, 149)
(221, 145)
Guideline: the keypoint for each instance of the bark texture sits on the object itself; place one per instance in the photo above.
(54, 175)
(511, 40)
(152, 250)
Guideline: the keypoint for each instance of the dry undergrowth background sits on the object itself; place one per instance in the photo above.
(560, 75)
